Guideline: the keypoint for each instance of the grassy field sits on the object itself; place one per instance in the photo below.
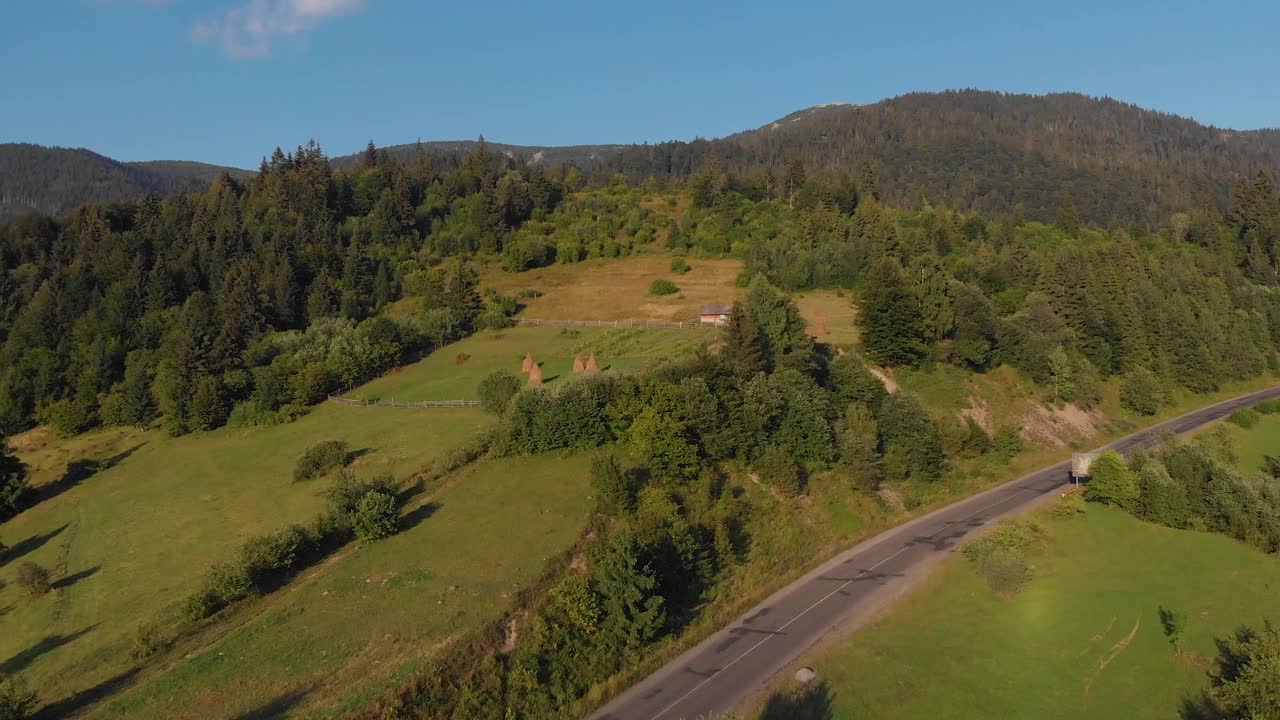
(831, 316)
(129, 539)
(1253, 444)
(619, 289)
(133, 538)
(441, 377)
(1083, 639)
(345, 631)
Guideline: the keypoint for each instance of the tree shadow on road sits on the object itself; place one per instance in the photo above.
(806, 702)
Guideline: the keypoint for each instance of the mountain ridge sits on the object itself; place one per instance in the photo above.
(979, 150)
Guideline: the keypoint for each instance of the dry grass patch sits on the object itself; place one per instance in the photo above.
(619, 289)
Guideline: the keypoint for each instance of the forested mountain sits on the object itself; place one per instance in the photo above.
(55, 180)
(990, 152)
(450, 153)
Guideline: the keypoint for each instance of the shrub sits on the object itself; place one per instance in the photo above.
(1068, 507)
(777, 468)
(1006, 443)
(346, 492)
(1000, 556)
(614, 491)
(312, 384)
(321, 458)
(1268, 407)
(376, 516)
(1160, 498)
(1244, 417)
(16, 699)
(33, 578)
(147, 641)
(680, 265)
(1143, 392)
(662, 286)
(1112, 481)
(528, 293)
(199, 605)
(496, 390)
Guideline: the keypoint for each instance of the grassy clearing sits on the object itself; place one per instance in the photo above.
(346, 630)
(441, 377)
(831, 316)
(953, 649)
(619, 289)
(133, 538)
(1253, 444)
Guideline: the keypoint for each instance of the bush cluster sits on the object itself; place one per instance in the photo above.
(321, 459)
(663, 286)
(366, 509)
(1001, 555)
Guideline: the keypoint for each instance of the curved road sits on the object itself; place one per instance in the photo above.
(736, 661)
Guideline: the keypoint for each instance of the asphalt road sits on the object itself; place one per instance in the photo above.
(736, 661)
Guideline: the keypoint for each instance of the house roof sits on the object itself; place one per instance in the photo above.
(715, 310)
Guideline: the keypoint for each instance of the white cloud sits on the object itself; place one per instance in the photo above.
(250, 30)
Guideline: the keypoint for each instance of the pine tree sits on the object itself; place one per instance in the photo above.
(794, 180)
(1067, 218)
(892, 324)
(744, 347)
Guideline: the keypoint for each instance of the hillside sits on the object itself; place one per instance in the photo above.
(989, 151)
(54, 180)
(968, 149)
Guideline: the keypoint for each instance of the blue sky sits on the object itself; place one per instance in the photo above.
(226, 81)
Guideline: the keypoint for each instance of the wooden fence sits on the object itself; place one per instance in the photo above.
(355, 402)
(613, 323)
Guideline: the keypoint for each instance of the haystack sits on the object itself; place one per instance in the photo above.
(578, 364)
(535, 376)
(822, 327)
(593, 365)
(528, 363)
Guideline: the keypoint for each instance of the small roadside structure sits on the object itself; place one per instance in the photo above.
(714, 314)
(1080, 463)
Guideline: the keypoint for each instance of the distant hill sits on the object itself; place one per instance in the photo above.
(967, 149)
(585, 156)
(991, 151)
(55, 180)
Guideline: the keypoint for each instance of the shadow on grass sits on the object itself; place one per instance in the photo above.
(83, 699)
(31, 544)
(47, 644)
(77, 472)
(74, 578)
(357, 454)
(277, 706)
(418, 514)
(810, 702)
(1198, 707)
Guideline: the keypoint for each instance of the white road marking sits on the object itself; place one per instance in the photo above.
(846, 584)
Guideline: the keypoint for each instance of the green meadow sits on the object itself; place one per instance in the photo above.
(454, 373)
(1082, 639)
(135, 518)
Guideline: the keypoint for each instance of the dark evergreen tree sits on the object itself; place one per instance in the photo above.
(891, 322)
(743, 351)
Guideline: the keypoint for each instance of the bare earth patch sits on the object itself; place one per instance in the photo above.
(1057, 427)
(978, 412)
(889, 383)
